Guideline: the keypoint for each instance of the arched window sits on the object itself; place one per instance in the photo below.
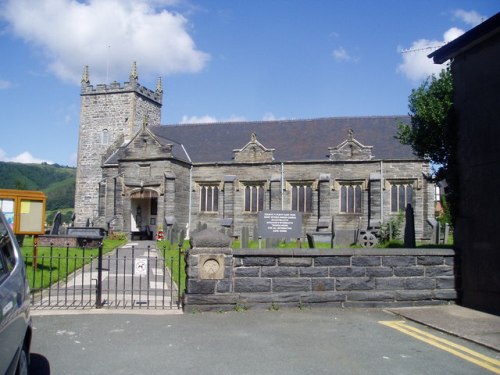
(104, 137)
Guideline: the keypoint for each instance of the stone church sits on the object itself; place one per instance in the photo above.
(137, 176)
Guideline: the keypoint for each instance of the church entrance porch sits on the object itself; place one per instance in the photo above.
(143, 214)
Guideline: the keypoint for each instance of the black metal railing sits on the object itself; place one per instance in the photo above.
(128, 277)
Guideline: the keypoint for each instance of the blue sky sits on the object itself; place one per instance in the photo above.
(219, 60)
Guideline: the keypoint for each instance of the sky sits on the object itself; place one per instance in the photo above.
(219, 60)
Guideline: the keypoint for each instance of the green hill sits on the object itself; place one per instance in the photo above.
(56, 181)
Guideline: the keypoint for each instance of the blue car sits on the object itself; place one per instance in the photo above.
(15, 320)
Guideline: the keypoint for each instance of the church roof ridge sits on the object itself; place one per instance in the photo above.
(283, 121)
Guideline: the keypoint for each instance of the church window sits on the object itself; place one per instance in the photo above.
(302, 198)
(401, 195)
(209, 198)
(350, 199)
(104, 137)
(254, 198)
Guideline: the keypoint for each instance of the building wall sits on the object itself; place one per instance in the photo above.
(477, 94)
(325, 177)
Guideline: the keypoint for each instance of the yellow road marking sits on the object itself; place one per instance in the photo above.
(460, 351)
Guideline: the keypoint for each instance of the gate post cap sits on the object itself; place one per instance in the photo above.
(210, 238)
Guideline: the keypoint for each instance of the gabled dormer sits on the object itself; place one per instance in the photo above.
(350, 149)
(254, 152)
(145, 145)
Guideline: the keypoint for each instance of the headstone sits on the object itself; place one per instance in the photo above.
(73, 217)
(409, 241)
(244, 238)
(87, 224)
(182, 235)
(56, 223)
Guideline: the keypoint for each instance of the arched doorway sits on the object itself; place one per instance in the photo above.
(143, 214)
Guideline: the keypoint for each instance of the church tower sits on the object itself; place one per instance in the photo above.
(110, 115)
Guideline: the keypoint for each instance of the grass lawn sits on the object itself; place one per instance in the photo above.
(58, 263)
(176, 263)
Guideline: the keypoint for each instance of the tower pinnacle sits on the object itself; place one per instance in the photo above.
(133, 72)
(159, 86)
(85, 77)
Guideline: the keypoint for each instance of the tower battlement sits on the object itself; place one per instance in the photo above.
(117, 87)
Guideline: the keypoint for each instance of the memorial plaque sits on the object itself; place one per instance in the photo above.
(280, 224)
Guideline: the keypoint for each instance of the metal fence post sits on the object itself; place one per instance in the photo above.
(98, 290)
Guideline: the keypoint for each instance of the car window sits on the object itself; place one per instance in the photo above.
(7, 258)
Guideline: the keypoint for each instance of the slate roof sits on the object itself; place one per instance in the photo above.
(293, 140)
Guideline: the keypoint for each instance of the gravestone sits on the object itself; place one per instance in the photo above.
(409, 241)
(244, 237)
(56, 223)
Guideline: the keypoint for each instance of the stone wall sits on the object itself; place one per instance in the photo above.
(326, 177)
(120, 110)
(220, 278)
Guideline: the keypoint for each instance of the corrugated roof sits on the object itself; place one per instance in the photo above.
(293, 140)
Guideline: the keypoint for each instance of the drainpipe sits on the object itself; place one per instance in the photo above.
(190, 192)
(381, 192)
(282, 186)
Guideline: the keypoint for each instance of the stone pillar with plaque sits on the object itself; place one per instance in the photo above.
(209, 267)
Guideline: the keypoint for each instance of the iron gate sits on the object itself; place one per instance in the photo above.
(132, 276)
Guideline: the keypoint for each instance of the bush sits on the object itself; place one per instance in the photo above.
(392, 229)
(121, 236)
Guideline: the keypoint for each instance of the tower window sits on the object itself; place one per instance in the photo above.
(104, 137)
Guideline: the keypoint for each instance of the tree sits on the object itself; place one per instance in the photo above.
(431, 113)
(431, 132)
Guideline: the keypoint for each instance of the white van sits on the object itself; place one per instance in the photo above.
(15, 320)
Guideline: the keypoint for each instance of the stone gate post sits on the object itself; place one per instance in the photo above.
(209, 269)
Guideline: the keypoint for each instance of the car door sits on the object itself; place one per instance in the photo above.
(12, 293)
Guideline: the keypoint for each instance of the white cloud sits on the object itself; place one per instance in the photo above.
(206, 119)
(106, 33)
(198, 119)
(340, 54)
(271, 117)
(471, 18)
(24, 157)
(4, 84)
(416, 66)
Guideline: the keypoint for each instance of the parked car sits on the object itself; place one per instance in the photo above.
(15, 319)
